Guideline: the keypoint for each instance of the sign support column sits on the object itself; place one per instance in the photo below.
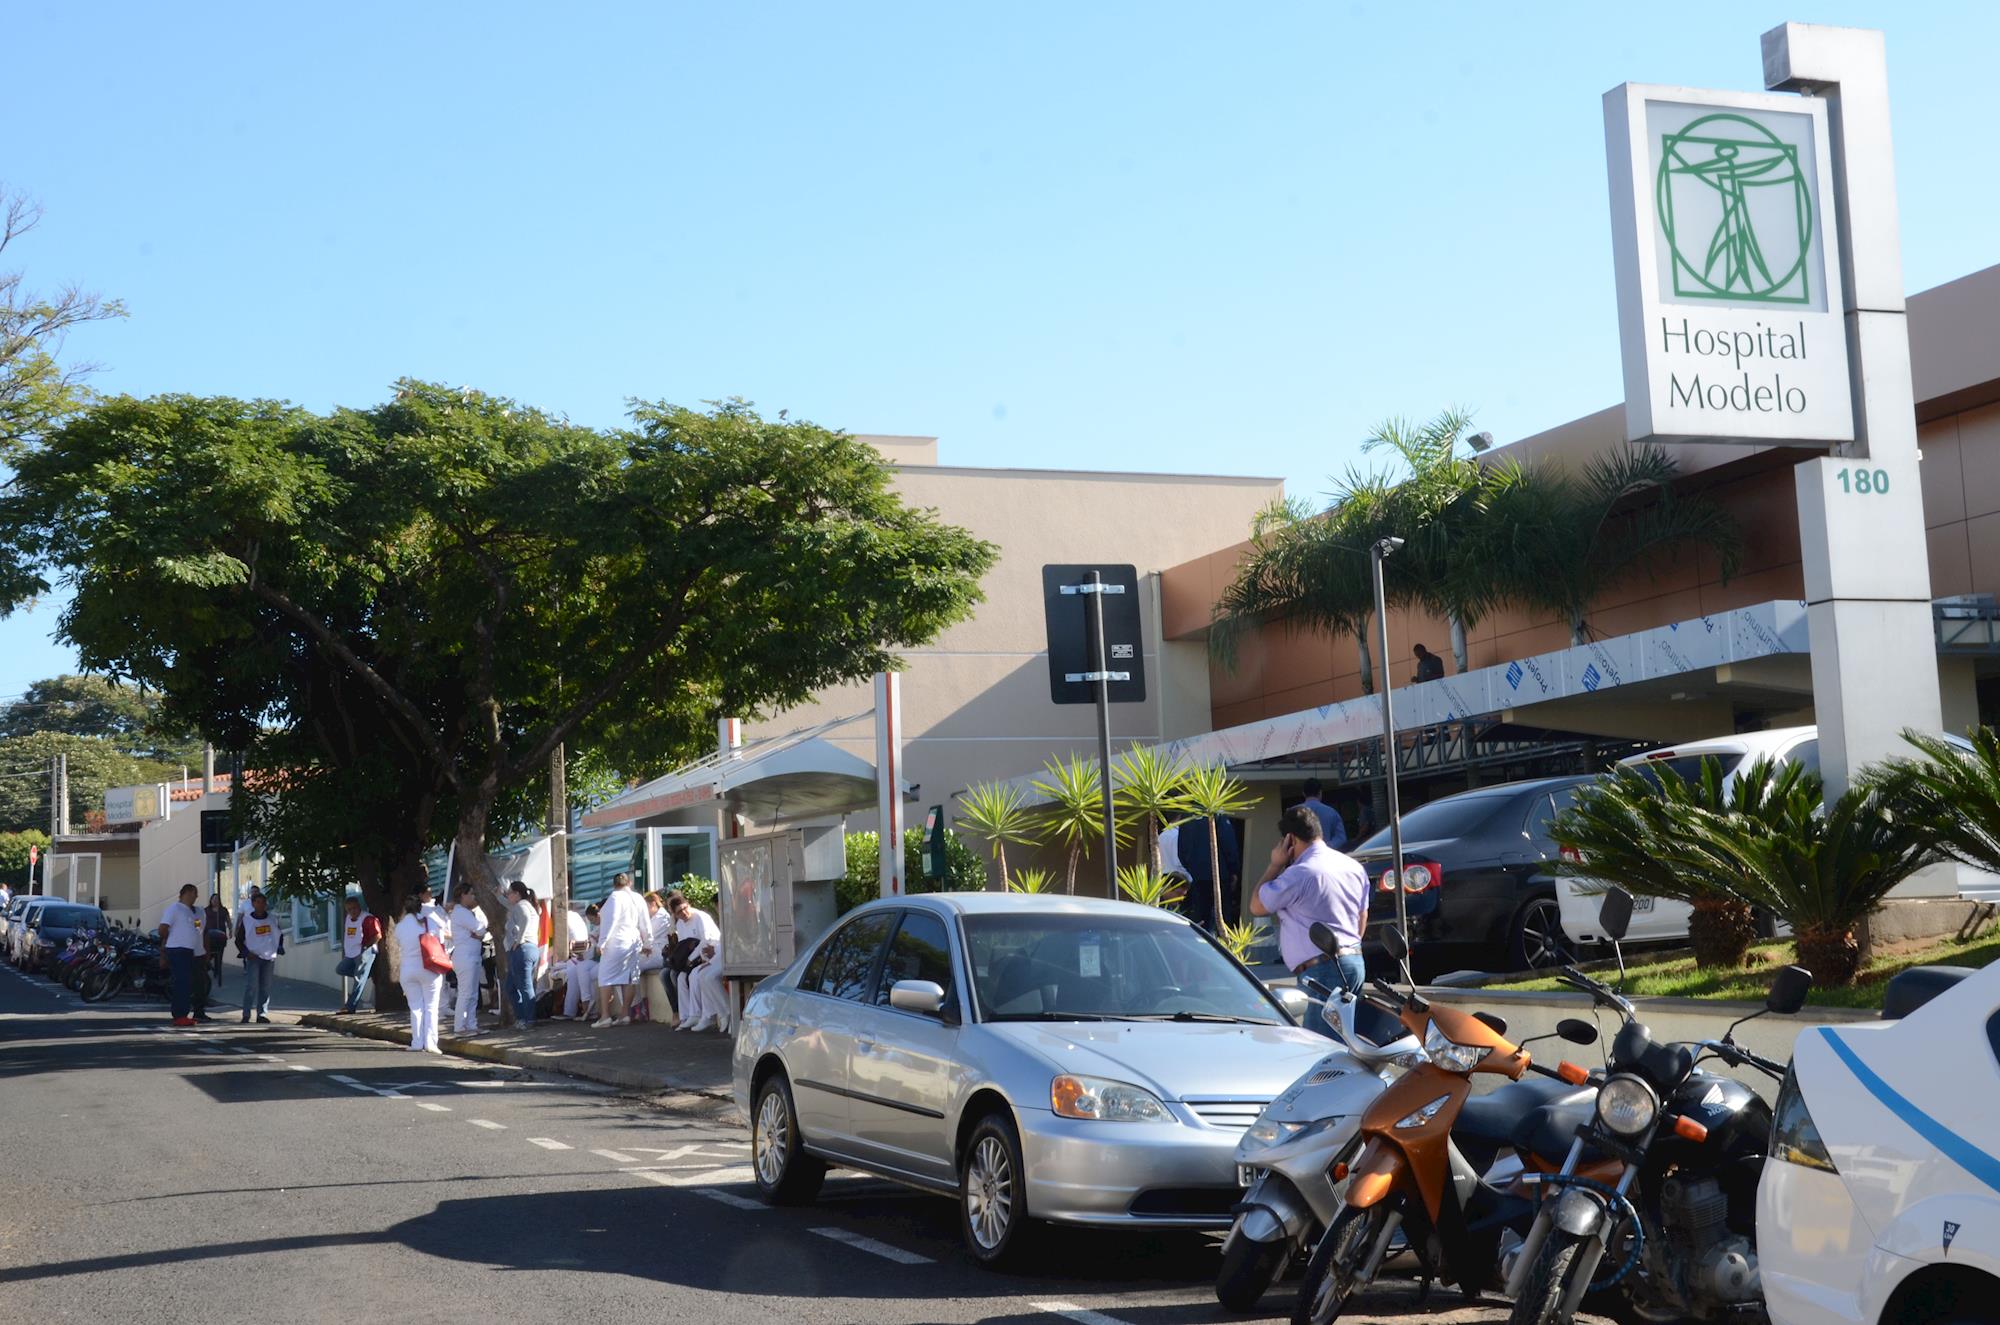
(1861, 516)
(889, 781)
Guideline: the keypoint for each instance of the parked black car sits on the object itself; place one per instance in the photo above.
(1477, 886)
(53, 926)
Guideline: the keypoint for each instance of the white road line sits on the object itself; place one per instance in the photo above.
(1070, 1311)
(874, 1248)
(489, 1126)
(616, 1157)
(547, 1143)
(345, 1081)
(730, 1199)
(434, 1108)
(301, 1067)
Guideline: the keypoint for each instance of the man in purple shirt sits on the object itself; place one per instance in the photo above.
(1309, 881)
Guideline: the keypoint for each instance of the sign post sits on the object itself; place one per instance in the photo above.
(889, 783)
(1096, 657)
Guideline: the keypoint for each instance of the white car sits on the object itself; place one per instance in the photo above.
(1659, 920)
(1880, 1203)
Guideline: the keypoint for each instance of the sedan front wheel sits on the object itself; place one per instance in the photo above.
(786, 1174)
(992, 1195)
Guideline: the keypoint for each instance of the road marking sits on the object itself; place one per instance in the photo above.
(1070, 1311)
(489, 1126)
(208, 1051)
(434, 1108)
(301, 1067)
(616, 1157)
(547, 1143)
(730, 1198)
(271, 1058)
(345, 1081)
(871, 1246)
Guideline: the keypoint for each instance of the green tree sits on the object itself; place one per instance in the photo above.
(398, 613)
(999, 813)
(14, 849)
(1951, 795)
(36, 390)
(127, 717)
(1210, 792)
(1074, 789)
(94, 764)
(1147, 787)
(964, 871)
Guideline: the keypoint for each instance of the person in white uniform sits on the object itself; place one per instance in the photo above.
(702, 1008)
(579, 976)
(623, 931)
(468, 959)
(422, 986)
(653, 960)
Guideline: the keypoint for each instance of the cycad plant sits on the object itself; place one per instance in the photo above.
(999, 813)
(1147, 788)
(1210, 792)
(1631, 828)
(1951, 794)
(1029, 880)
(1238, 940)
(1074, 789)
(1148, 887)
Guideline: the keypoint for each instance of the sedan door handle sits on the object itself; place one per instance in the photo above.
(865, 1046)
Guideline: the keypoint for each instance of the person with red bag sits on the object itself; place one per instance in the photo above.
(420, 945)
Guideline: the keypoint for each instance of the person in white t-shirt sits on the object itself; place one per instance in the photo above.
(180, 946)
(359, 935)
(422, 986)
(468, 958)
(260, 940)
(702, 1006)
(623, 933)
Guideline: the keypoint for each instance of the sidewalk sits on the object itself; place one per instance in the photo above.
(647, 1056)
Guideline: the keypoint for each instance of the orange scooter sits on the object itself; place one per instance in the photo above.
(1412, 1176)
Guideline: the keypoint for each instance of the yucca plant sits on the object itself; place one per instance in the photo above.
(1822, 869)
(1075, 790)
(1147, 788)
(1951, 794)
(1628, 829)
(1238, 939)
(1029, 880)
(999, 813)
(1210, 792)
(1148, 887)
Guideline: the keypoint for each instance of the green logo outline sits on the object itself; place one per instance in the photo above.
(1731, 166)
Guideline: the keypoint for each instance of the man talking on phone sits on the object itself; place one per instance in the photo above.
(1308, 881)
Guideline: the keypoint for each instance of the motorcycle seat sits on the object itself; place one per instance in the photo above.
(1549, 1131)
(1495, 1116)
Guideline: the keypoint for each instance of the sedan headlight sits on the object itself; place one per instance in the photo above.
(1099, 1100)
(1448, 1053)
(1626, 1106)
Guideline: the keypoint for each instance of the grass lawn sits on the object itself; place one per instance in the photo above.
(1678, 978)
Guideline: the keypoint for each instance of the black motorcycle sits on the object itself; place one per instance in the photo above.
(1656, 1201)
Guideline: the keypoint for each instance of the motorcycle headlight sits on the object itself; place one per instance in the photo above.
(1098, 1100)
(1423, 1115)
(1626, 1106)
(1268, 1132)
(1449, 1053)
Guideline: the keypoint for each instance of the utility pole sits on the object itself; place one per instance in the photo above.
(62, 784)
(559, 939)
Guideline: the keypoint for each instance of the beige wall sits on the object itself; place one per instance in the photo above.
(976, 702)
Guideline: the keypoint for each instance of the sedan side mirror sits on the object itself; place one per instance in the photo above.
(1296, 1003)
(925, 996)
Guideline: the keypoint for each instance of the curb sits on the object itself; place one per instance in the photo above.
(528, 1059)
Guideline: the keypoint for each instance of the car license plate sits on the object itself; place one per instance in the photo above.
(1643, 903)
(1247, 1176)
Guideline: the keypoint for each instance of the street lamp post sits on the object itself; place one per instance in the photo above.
(1385, 547)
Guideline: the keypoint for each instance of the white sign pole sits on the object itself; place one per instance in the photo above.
(889, 779)
(1861, 514)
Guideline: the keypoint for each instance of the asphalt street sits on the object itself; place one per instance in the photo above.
(276, 1173)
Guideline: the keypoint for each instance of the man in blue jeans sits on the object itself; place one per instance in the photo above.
(261, 942)
(180, 944)
(1308, 881)
(524, 926)
(359, 935)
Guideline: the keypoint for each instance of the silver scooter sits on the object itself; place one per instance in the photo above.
(1287, 1157)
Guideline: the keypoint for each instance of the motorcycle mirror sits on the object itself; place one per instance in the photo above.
(1498, 1025)
(1615, 916)
(1324, 938)
(1788, 991)
(1576, 1032)
(1395, 943)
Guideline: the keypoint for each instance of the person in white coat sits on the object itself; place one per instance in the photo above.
(422, 986)
(468, 958)
(579, 977)
(702, 1008)
(653, 975)
(623, 932)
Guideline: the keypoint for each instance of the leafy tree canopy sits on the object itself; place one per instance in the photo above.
(14, 855)
(126, 716)
(36, 390)
(95, 763)
(397, 613)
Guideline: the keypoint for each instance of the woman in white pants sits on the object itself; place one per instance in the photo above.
(579, 975)
(468, 959)
(623, 930)
(421, 985)
(653, 960)
(702, 1007)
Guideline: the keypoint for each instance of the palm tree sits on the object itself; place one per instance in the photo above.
(1952, 794)
(1557, 540)
(1029, 880)
(1437, 508)
(1308, 570)
(1210, 792)
(1148, 887)
(999, 813)
(1630, 829)
(1075, 791)
(1147, 787)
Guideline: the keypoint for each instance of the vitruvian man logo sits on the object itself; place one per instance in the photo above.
(1736, 212)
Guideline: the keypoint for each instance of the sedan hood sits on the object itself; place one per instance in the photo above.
(1174, 1060)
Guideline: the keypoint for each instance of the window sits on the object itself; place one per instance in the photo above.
(1805, 754)
(848, 965)
(1054, 967)
(921, 951)
(309, 919)
(1542, 809)
(1454, 816)
(1687, 767)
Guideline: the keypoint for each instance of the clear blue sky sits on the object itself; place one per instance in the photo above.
(1225, 238)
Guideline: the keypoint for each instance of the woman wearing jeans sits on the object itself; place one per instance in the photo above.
(524, 926)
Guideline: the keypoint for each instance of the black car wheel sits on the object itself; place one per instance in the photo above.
(786, 1174)
(992, 1201)
(1536, 941)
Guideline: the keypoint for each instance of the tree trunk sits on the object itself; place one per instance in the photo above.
(1579, 630)
(1721, 931)
(1458, 653)
(1000, 854)
(1367, 662)
(1832, 955)
(1069, 880)
(1148, 839)
(1215, 875)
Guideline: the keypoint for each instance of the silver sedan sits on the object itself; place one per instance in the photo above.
(1033, 1057)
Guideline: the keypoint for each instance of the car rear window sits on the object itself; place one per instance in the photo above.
(1454, 816)
(67, 916)
(1687, 767)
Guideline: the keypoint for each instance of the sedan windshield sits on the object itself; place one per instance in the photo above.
(1106, 968)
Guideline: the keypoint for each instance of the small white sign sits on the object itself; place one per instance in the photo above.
(126, 805)
(1726, 249)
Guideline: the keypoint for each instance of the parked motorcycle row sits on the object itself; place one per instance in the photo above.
(1628, 1189)
(99, 965)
